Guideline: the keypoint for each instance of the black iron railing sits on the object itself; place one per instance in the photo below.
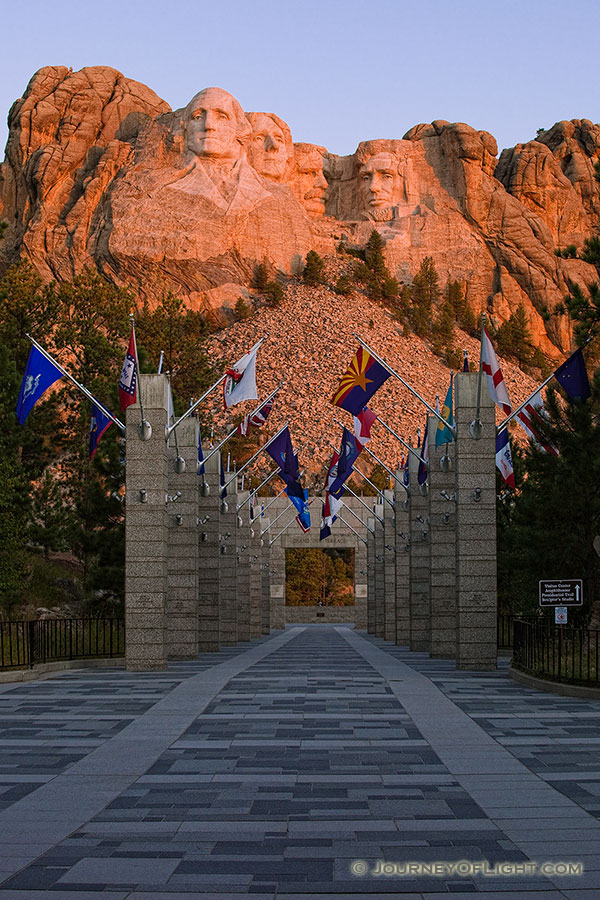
(26, 643)
(557, 652)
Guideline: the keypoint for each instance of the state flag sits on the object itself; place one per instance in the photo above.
(349, 452)
(240, 380)
(363, 378)
(573, 378)
(443, 435)
(100, 422)
(529, 418)
(423, 469)
(495, 381)
(257, 419)
(128, 379)
(301, 504)
(40, 374)
(504, 458)
(363, 423)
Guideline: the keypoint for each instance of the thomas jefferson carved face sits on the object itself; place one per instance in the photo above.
(215, 125)
(270, 146)
(378, 182)
(310, 184)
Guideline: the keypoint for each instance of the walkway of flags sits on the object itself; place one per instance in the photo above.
(366, 373)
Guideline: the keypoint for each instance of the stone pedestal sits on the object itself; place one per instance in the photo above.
(209, 557)
(442, 530)
(402, 530)
(476, 528)
(420, 606)
(146, 528)
(182, 513)
(277, 581)
(389, 575)
(228, 616)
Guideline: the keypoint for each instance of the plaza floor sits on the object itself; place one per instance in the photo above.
(315, 762)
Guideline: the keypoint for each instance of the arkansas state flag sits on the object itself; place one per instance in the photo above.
(496, 385)
(128, 379)
(359, 383)
(504, 459)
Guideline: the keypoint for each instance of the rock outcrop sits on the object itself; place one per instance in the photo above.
(99, 171)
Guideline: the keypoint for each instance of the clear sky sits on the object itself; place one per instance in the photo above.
(337, 71)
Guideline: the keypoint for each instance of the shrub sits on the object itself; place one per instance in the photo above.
(314, 269)
(274, 293)
(343, 285)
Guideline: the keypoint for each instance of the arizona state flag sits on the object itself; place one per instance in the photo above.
(363, 378)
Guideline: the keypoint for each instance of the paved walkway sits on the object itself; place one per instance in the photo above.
(317, 762)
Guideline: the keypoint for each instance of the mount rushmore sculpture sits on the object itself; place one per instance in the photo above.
(99, 171)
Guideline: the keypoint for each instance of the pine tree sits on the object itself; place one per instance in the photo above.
(555, 515)
(425, 292)
(314, 270)
(261, 277)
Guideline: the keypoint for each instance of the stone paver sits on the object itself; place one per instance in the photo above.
(288, 768)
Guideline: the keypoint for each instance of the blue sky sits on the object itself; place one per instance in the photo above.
(337, 71)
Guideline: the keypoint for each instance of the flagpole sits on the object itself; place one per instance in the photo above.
(405, 383)
(374, 486)
(83, 389)
(252, 493)
(361, 501)
(277, 496)
(353, 530)
(398, 438)
(370, 452)
(257, 454)
(508, 419)
(189, 411)
(476, 425)
(143, 422)
(282, 530)
(234, 430)
(357, 517)
(276, 519)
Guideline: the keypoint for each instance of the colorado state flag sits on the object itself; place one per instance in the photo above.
(364, 376)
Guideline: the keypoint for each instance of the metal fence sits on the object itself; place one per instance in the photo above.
(25, 643)
(557, 652)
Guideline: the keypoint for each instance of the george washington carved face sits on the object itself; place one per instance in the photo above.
(215, 125)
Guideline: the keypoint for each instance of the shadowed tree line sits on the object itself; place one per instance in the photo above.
(54, 500)
(315, 576)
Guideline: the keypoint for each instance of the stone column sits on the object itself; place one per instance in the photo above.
(182, 566)
(389, 576)
(360, 574)
(209, 556)
(371, 577)
(256, 606)
(243, 570)
(476, 528)
(261, 523)
(420, 606)
(442, 530)
(228, 617)
(379, 573)
(402, 564)
(277, 592)
(146, 529)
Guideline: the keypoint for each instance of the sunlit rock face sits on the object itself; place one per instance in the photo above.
(99, 171)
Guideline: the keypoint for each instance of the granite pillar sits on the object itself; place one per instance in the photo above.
(146, 530)
(402, 530)
(420, 605)
(209, 556)
(476, 528)
(442, 531)
(389, 574)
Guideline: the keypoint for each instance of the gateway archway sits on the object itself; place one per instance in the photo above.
(349, 532)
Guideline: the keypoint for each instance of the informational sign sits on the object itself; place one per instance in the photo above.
(567, 592)
(560, 615)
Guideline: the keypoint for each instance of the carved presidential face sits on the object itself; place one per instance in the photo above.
(270, 146)
(213, 125)
(310, 184)
(378, 182)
